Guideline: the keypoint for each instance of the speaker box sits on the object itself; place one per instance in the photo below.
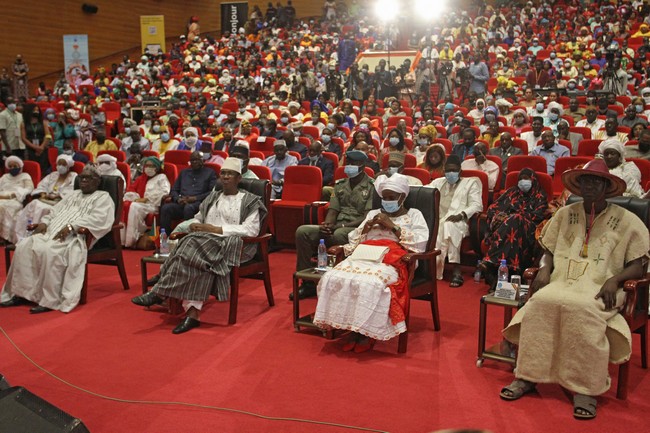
(89, 9)
(23, 412)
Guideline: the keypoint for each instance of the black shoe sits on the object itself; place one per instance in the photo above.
(187, 324)
(39, 309)
(13, 302)
(153, 280)
(148, 299)
(306, 290)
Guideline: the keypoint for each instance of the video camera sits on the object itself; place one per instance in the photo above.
(445, 68)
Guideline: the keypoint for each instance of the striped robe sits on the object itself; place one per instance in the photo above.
(201, 263)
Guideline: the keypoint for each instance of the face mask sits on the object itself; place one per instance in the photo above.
(156, 128)
(150, 171)
(127, 130)
(553, 117)
(206, 156)
(638, 108)
(331, 126)
(284, 120)
(103, 168)
(313, 158)
(241, 110)
(183, 103)
(525, 185)
(11, 107)
(50, 116)
(390, 206)
(363, 127)
(571, 86)
(351, 170)
(452, 176)
(423, 141)
(505, 68)
(392, 170)
(15, 171)
(191, 141)
(326, 138)
(646, 99)
(164, 137)
(168, 112)
(62, 169)
(147, 123)
(68, 152)
(539, 107)
(394, 141)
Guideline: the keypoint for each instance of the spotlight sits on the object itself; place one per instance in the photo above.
(386, 10)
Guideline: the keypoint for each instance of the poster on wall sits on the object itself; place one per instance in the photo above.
(233, 16)
(75, 57)
(152, 33)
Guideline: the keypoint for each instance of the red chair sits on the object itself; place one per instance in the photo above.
(447, 143)
(302, 184)
(264, 145)
(394, 120)
(90, 156)
(125, 169)
(563, 164)
(588, 147)
(305, 141)
(497, 160)
(120, 155)
(410, 161)
(312, 131)
(339, 173)
(332, 157)
(483, 177)
(418, 173)
(261, 171)
(644, 168)
(52, 155)
(180, 158)
(257, 154)
(544, 179)
(171, 171)
(295, 154)
(113, 111)
(147, 153)
(214, 167)
(33, 170)
(535, 163)
(220, 153)
(78, 167)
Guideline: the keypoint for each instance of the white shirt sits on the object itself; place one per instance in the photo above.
(226, 215)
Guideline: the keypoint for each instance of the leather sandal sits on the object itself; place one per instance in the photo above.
(584, 406)
(517, 389)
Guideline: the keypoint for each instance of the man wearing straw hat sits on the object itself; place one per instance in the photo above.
(570, 329)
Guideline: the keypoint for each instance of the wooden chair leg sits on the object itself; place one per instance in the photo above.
(122, 270)
(623, 373)
(234, 295)
(268, 287)
(434, 307)
(643, 333)
(403, 339)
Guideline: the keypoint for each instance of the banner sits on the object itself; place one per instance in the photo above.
(75, 57)
(233, 16)
(152, 33)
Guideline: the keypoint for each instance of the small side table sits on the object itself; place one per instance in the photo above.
(143, 268)
(503, 351)
(307, 321)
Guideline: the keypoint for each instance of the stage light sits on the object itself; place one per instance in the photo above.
(428, 10)
(386, 10)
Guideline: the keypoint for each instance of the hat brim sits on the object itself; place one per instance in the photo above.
(571, 180)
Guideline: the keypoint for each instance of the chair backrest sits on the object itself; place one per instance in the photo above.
(535, 163)
(410, 161)
(418, 173)
(171, 171)
(262, 188)
(52, 155)
(588, 147)
(120, 155)
(302, 183)
(261, 171)
(264, 145)
(427, 201)
(563, 164)
(312, 131)
(214, 167)
(146, 153)
(178, 157)
(78, 167)
(33, 170)
(114, 186)
(644, 168)
(445, 142)
(544, 179)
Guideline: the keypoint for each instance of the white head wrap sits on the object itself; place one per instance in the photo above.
(67, 158)
(242, 143)
(502, 102)
(112, 162)
(397, 183)
(554, 104)
(233, 164)
(612, 144)
(13, 158)
(191, 129)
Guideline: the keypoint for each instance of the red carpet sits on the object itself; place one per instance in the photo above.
(112, 347)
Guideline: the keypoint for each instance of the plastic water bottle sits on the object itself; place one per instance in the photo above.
(477, 273)
(29, 230)
(322, 255)
(164, 247)
(503, 271)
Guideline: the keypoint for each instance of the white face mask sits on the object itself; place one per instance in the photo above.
(190, 141)
(103, 168)
(150, 171)
(62, 169)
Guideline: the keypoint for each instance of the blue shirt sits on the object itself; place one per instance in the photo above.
(192, 183)
(551, 155)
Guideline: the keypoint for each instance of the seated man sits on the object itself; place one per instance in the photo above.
(570, 329)
(481, 163)
(396, 165)
(349, 204)
(316, 158)
(550, 150)
(466, 146)
(460, 199)
(133, 139)
(591, 121)
(278, 163)
(505, 151)
(241, 151)
(190, 188)
(200, 265)
(532, 137)
(49, 266)
(610, 132)
(100, 143)
(293, 145)
(641, 150)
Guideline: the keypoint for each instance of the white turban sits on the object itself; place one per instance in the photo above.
(612, 144)
(554, 104)
(191, 129)
(502, 102)
(67, 158)
(15, 159)
(396, 183)
(105, 157)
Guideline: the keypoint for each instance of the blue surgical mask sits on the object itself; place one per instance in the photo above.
(313, 158)
(638, 108)
(156, 128)
(423, 141)
(525, 185)
(164, 137)
(51, 116)
(452, 176)
(326, 138)
(390, 206)
(127, 130)
(11, 107)
(351, 170)
(539, 107)
(392, 170)
(553, 117)
(394, 141)
(331, 126)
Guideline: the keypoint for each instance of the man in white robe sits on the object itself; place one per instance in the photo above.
(460, 199)
(48, 267)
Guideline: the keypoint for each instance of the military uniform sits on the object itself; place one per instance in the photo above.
(351, 203)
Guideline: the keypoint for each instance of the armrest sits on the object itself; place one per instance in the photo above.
(413, 257)
(177, 235)
(530, 274)
(257, 239)
(634, 289)
(338, 251)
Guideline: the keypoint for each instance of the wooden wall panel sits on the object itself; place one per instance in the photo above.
(36, 29)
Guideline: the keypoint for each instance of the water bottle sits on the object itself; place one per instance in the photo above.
(503, 271)
(164, 247)
(322, 255)
(29, 230)
(477, 273)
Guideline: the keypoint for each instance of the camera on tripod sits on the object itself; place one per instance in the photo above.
(611, 53)
(445, 69)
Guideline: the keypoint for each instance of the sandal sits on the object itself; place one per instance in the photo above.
(517, 389)
(457, 280)
(584, 406)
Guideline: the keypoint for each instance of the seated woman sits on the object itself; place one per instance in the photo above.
(143, 197)
(425, 137)
(519, 120)
(512, 221)
(49, 192)
(613, 153)
(15, 186)
(190, 140)
(200, 265)
(395, 142)
(377, 311)
(434, 160)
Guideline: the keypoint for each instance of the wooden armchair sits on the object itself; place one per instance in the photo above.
(635, 309)
(422, 280)
(258, 267)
